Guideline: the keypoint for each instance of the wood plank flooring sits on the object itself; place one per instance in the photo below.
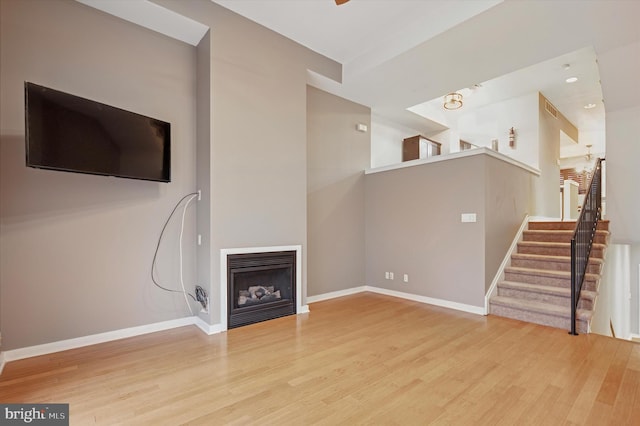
(361, 359)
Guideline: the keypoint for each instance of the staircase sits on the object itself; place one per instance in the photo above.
(537, 285)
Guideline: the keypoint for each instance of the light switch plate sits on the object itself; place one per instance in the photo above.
(468, 217)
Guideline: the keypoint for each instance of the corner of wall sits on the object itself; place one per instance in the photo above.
(208, 329)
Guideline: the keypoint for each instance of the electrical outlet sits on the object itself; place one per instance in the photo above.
(405, 278)
(386, 275)
(199, 195)
(390, 275)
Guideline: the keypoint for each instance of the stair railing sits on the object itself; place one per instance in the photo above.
(583, 237)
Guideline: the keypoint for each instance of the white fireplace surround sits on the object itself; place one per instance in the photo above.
(300, 308)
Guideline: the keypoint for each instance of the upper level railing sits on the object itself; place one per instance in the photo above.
(583, 236)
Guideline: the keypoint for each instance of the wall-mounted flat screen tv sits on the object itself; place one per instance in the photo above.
(69, 133)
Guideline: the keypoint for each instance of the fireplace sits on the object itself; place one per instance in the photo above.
(260, 286)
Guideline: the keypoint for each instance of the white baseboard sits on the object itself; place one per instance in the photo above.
(334, 294)
(479, 310)
(304, 309)
(208, 329)
(631, 336)
(63, 345)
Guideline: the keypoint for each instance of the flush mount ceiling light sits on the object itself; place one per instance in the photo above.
(571, 79)
(453, 101)
(589, 106)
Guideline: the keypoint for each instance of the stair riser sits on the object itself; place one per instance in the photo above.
(551, 226)
(556, 251)
(592, 268)
(589, 284)
(558, 237)
(537, 318)
(587, 304)
(564, 226)
(544, 297)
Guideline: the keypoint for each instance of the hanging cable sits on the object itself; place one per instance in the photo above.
(155, 254)
(184, 291)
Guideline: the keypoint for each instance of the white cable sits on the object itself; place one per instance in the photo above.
(184, 291)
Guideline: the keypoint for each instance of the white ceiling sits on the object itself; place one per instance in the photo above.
(363, 34)
(375, 40)
(549, 78)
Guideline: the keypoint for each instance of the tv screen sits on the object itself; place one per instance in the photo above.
(70, 133)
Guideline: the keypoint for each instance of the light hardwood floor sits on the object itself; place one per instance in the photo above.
(361, 359)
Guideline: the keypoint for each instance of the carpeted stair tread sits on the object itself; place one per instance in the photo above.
(547, 273)
(551, 235)
(538, 288)
(548, 257)
(544, 243)
(540, 307)
(557, 249)
(564, 261)
(552, 262)
(555, 244)
(560, 231)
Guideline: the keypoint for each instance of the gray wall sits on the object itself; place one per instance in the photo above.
(94, 236)
(337, 155)
(508, 199)
(76, 249)
(203, 160)
(257, 167)
(413, 225)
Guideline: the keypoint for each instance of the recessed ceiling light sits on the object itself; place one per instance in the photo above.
(589, 106)
(571, 79)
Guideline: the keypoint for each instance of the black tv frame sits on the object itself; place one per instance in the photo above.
(95, 151)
